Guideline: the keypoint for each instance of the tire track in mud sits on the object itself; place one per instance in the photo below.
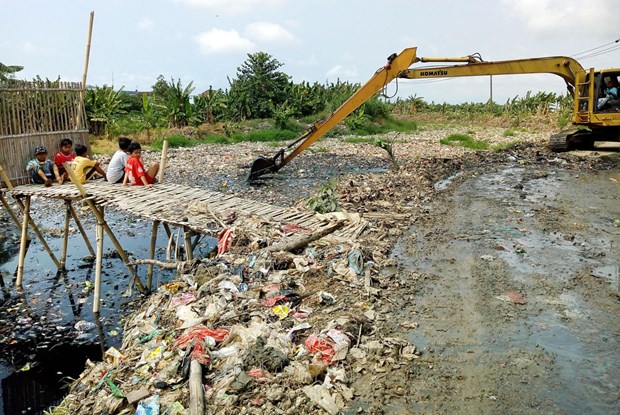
(489, 244)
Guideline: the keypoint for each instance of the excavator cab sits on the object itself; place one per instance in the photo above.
(608, 99)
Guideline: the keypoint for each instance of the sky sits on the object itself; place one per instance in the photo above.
(205, 41)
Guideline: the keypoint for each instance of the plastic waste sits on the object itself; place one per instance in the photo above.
(281, 311)
(148, 406)
(84, 325)
(223, 239)
(356, 261)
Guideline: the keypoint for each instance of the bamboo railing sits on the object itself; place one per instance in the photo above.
(38, 113)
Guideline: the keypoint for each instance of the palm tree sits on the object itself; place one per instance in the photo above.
(7, 72)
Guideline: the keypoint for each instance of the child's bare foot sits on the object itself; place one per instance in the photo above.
(48, 182)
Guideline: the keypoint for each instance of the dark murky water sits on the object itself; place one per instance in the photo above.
(48, 329)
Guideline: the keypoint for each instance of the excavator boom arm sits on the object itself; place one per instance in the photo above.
(562, 66)
(398, 67)
(395, 66)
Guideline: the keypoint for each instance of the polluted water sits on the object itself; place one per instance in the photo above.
(48, 329)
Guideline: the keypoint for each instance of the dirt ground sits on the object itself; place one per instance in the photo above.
(512, 280)
(495, 275)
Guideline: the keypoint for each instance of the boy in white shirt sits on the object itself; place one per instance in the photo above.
(116, 168)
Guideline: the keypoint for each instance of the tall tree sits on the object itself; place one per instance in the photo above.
(8, 72)
(260, 86)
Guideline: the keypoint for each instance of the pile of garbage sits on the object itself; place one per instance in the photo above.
(249, 331)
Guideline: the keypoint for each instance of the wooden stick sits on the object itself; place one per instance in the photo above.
(98, 261)
(65, 237)
(169, 233)
(77, 221)
(162, 163)
(196, 390)
(23, 243)
(149, 272)
(160, 264)
(189, 252)
(106, 227)
(298, 243)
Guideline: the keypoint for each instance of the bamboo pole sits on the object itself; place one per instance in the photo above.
(196, 391)
(12, 213)
(169, 234)
(149, 272)
(81, 228)
(65, 237)
(35, 228)
(79, 120)
(162, 163)
(189, 252)
(23, 243)
(106, 227)
(98, 260)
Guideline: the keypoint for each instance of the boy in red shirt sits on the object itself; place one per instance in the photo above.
(134, 169)
(65, 155)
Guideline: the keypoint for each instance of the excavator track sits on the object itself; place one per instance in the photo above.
(559, 142)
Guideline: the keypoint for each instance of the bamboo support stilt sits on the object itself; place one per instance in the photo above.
(189, 249)
(12, 213)
(169, 233)
(106, 227)
(35, 228)
(98, 260)
(149, 272)
(77, 221)
(65, 237)
(23, 243)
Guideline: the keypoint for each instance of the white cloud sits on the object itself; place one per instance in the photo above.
(217, 41)
(145, 23)
(560, 18)
(339, 71)
(269, 32)
(232, 6)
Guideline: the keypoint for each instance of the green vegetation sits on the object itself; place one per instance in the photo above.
(466, 141)
(505, 146)
(263, 104)
(325, 200)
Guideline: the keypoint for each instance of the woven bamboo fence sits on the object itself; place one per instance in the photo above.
(38, 113)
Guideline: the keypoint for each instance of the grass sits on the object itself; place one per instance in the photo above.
(389, 125)
(268, 135)
(357, 140)
(504, 146)
(466, 141)
(509, 133)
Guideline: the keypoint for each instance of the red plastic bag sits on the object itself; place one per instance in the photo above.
(223, 239)
(315, 344)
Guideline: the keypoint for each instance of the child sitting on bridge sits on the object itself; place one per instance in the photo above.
(84, 167)
(43, 170)
(134, 169)
(65, 155)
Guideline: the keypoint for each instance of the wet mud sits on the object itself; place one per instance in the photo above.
(513, 284)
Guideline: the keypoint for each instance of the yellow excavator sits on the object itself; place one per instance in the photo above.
(595, 117)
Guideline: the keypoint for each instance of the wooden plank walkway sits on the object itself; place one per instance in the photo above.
(169, 203)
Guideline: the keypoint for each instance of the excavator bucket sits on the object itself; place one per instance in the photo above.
(264, 165)
(261, 166)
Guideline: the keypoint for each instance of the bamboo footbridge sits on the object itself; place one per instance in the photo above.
(196, 211)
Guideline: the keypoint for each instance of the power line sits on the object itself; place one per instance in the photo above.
(585, 52)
